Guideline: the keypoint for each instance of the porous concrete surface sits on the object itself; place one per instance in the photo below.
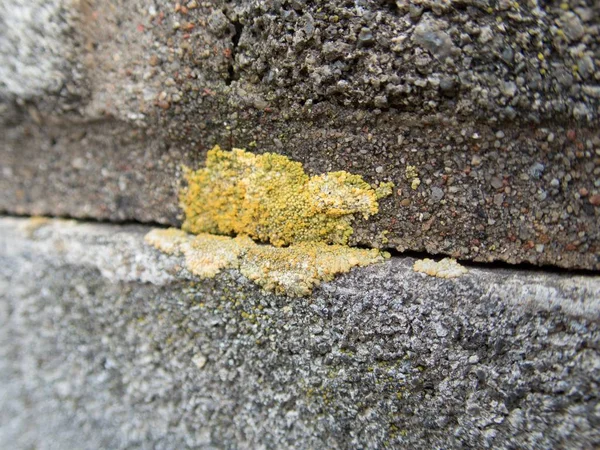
(107, 343)
(494, 103)
(39, 52)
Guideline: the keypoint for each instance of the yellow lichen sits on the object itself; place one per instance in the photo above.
(446, 268)
(33, 224)
(205, 254)
(411, 172)
(271, 199)
(384, 190)
(412, 175)
(168, 241)
(294, 270)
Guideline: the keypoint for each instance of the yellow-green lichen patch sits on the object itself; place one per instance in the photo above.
(446, 268)
(270, 198)
(168, 241)
(205, 254)
(33, 224)
(412, 175)
(293, 270)
(296, 269)
(384, 189)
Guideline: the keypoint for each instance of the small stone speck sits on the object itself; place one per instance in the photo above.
(199, 360)
(437, 194)
(496, 183)
(473, 359)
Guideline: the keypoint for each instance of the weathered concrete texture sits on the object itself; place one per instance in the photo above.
(38, 52)
(524, 200)
(494, 103)
(103, 170)
(505, 59)
(106, 343)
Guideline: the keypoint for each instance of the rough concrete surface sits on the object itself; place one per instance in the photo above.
(494, 103)
(107, 343)
(37, 49)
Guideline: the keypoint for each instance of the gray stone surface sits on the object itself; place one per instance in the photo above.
(38, 54)
(106, 343)
(495, 103)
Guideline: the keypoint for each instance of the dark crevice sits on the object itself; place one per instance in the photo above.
(87, 219)
(235, 39)
(494, 265)
(390, 5)
(529, 267)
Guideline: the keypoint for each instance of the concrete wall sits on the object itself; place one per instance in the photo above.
(105, 343)
(494, 103)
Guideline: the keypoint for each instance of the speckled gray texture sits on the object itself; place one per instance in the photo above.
(106, 343)
(38, 51)
(495, 103)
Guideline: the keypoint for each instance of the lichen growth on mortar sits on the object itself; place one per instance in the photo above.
(293, 270)
(412, 175)
(205, 254)
(446, 268)
(33, 224)
(270, 198)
